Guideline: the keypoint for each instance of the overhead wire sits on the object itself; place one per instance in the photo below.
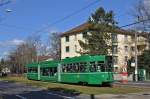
(134, 23)
(66, 17)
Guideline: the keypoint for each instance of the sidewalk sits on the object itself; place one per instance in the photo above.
(143, 95)
(134, 84)
(125, 96)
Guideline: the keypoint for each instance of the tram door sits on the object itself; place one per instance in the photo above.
(59, 69)
(109, 63)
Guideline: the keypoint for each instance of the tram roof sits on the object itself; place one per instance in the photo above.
(52, 63)
(35, 64)
(84, 58)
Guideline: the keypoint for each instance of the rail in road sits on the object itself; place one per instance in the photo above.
(10, 90)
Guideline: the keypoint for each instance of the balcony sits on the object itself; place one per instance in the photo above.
(114, 42)
(141, 42)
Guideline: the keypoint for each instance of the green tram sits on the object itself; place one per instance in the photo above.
(86, 69)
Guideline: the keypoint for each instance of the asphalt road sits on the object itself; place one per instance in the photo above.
(10, 90)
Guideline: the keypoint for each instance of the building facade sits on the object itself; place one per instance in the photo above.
(123, 45)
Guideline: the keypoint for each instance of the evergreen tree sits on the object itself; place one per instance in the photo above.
(143, 62)
(2, 62)
(98, 38)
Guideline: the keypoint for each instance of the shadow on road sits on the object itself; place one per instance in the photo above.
(65, 91)
(51, 93)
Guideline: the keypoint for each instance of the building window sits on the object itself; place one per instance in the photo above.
(84, 34)
(115, 58)
(115, 69)
(132, 38)
(75, 37)
(115, 49)
(133, 59)
(132, 48)
(67, 48)
(114, 37)
(125, 59)
(125, 38)
(126, 48)
(75, 47)
(67, 38)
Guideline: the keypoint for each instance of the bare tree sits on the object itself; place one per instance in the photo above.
(141, 13)
(24, 53)
(54, 45)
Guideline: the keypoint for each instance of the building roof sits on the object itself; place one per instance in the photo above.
(77, 29)
(85, 26)
(43, 58)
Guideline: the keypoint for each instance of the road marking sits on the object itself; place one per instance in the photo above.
(21, 97)
(61, 96)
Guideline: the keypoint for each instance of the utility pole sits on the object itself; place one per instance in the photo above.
(136, 59)
(113, 55)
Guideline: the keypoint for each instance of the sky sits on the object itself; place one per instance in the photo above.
(28, 16)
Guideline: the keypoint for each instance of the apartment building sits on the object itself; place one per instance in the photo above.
(123, 45)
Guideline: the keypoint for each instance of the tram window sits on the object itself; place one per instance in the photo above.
(68, 68)
(64, 68)
(92, 67)
(32, 70)
(54, 70)
(45, 71)
(29, 70)
(102, 66)
(110, 68)
(101, 62)
(71, 68)
(48, 71)
(98, 68)
(74, 67)
(77, 67)
(82, 67)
